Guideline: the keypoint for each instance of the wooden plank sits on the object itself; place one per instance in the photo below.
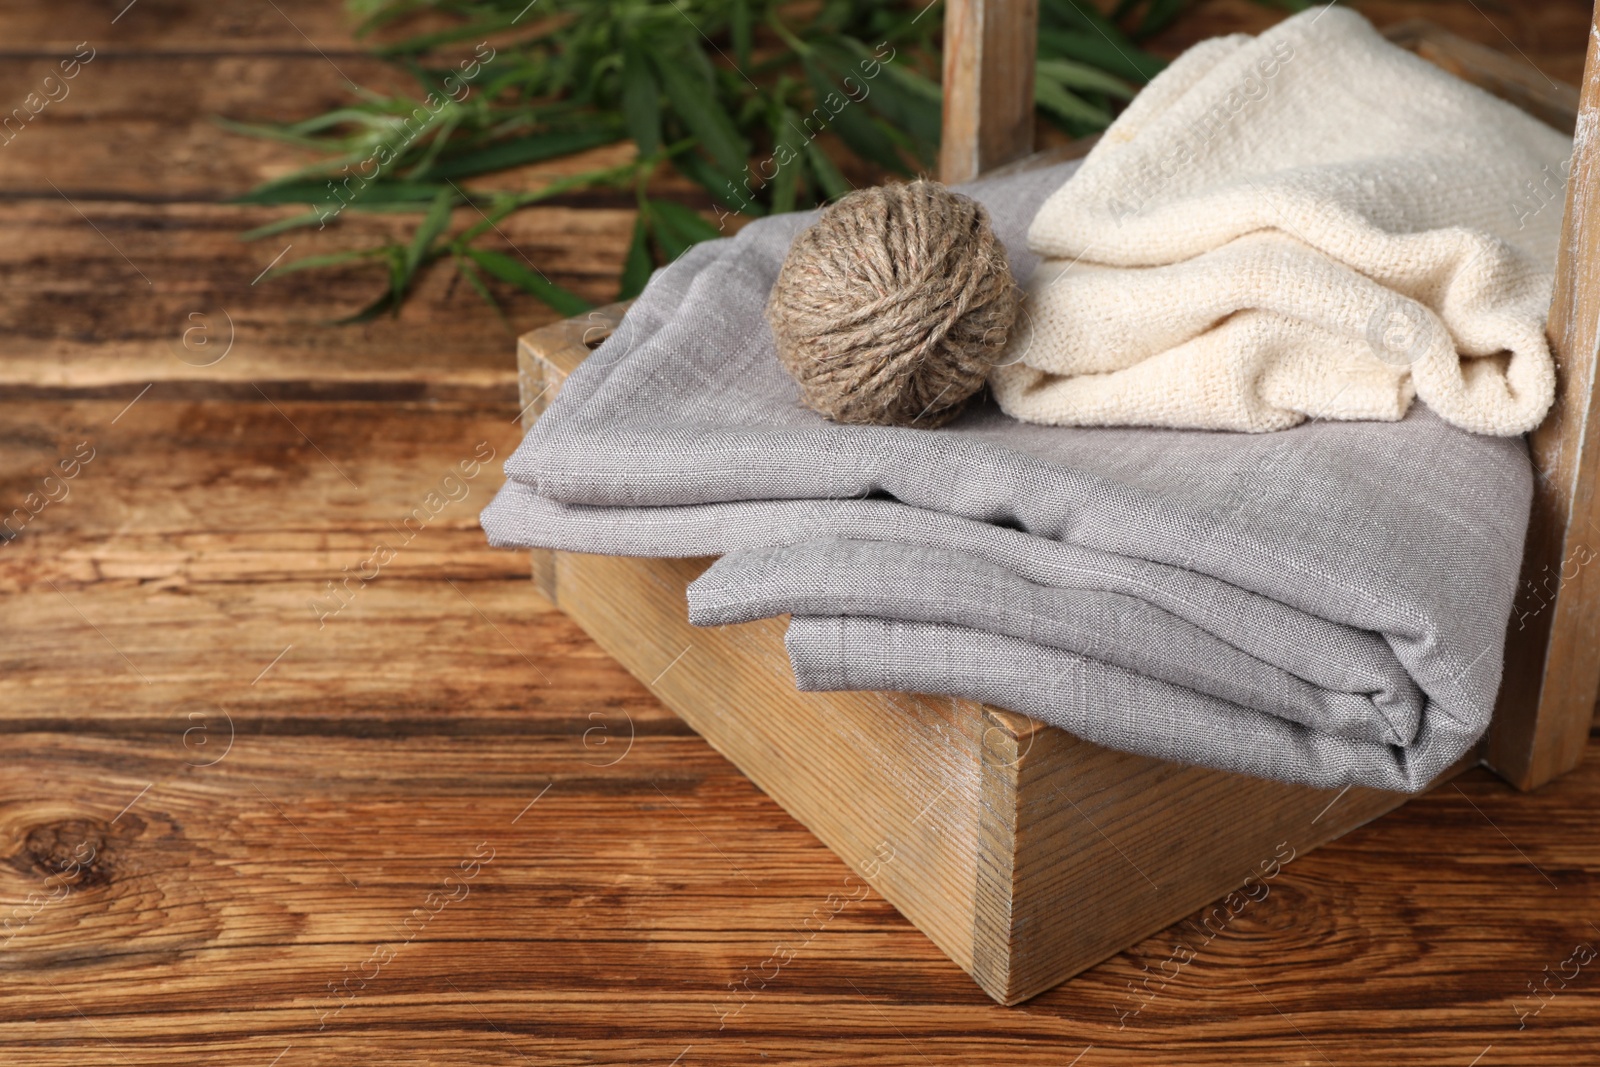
(77, 318)
(989, 48)
(615, 914)
(243, 460)
(891, 782)
(143, 126)
(177, 26)
(480, 659)
(1106, 848)
(1547, 700)
(198, 542)
(415, 729)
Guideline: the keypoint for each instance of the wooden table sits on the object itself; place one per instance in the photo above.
(248, 819)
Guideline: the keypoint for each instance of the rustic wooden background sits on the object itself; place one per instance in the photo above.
(439, 826)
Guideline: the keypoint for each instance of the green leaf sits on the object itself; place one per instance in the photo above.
(332, 259)
(390, 298)
(827, 174)
(300, 133)
(916, 100)
(739, 30)
(695, 102)
(534, 148)
(641, 102)
(436, 144)
(376, 13)
(1080, 15)
(678, 228)
(571, 76)
(504, 204)
(788, 158)
(1125, 60)
(725, 191)
(854, 126)
(427, 41)
(636, 266)
(294, 222)
(509, 270)
(434, 223)
(1067, 106)
(1159, 15)
(384, 303)
(399, 276)
(316, 191)
(907, 100)
(1073, 75)
(470, 273)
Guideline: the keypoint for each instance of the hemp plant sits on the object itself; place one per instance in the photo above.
(735, 95)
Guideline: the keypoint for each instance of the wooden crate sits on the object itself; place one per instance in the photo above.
(1027, 854)
(1023, 852)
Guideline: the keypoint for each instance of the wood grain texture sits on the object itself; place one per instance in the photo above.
(138, 125)
(132, 515)
(616, 940)
(891, 782)
(611, 926)
(166, 26)
(79, 319)
(989, 48)
(143, 126)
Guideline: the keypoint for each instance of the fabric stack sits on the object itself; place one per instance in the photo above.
(1310, 223)
(1323, 604)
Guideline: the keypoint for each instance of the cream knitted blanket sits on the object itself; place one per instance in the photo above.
(1309, 223)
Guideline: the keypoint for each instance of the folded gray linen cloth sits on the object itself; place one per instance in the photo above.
(1325, 604)
(1352, 686)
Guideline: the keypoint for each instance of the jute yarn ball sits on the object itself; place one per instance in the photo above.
(892, 308)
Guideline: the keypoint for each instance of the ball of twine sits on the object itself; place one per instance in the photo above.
(893, 306)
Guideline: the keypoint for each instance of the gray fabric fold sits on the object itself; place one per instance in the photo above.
(1103, 703)
(1372, 701)
(1332, 596)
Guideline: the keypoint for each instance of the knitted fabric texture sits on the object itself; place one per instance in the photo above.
(894, 306)
(1310, 223)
